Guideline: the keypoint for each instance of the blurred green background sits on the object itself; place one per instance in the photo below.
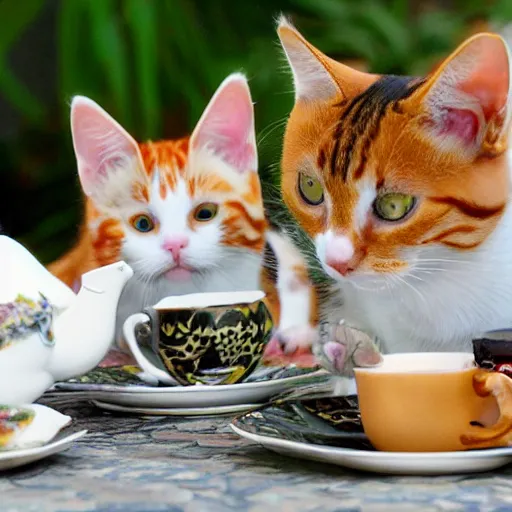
(153, 64)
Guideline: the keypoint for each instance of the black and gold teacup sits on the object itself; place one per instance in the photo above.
(206, 338)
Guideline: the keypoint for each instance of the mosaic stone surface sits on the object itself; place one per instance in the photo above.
(144, 464)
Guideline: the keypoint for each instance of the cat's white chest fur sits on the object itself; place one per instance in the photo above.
(451, 299)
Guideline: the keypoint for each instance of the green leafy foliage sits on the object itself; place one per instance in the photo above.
(15, 18)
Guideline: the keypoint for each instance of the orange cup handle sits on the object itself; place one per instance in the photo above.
(487, 383)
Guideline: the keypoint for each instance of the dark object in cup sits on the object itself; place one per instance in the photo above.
(494, 351)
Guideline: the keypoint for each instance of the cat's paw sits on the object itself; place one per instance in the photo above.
(340, 349)
(295, 338)
(292, 346)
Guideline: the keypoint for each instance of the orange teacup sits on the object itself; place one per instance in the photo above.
(433, 401)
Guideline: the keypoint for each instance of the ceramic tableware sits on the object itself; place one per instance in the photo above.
(47, 333)
(206, 338)
(434, 402)
(129, 391)
(15, 458)
(29, 426)
(329, 430)
(221, 410)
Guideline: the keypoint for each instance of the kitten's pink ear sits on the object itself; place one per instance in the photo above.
(227, 125)
(466, 100)
(101, 144)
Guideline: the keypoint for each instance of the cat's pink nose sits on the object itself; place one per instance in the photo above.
(339, 252)
(175, 244)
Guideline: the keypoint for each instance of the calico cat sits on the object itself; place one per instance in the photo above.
(402, 187)
(187, 215)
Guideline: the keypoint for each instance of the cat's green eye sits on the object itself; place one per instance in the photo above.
(393, 206)
(310, 189)
(143, 223)
(205, 212)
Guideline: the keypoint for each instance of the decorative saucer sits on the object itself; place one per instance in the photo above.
(329, 430)
(14, 458)
(176, 411)
(31, 432)
(29, 426)
(124, 386)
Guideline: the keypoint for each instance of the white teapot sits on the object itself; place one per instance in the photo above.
(74, 332)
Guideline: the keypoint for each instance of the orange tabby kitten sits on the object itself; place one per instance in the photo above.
(186, 215)
(402, 186)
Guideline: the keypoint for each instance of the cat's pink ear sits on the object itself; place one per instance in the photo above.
(467, 99)
(312, 78)
(227, 125)
(101, 144)
(316, 76)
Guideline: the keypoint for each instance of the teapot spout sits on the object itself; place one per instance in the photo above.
(85, 331)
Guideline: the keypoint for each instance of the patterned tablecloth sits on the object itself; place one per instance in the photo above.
(130, 463)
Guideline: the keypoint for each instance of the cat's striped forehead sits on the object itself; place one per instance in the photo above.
(165, 161)
(168, 153)
(169, 165)
(359, 124)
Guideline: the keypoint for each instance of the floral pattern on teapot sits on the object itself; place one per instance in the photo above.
(22, 317)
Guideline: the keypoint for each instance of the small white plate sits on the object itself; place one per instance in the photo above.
(389, 463)
(194, 411)
(15, 458)
(198, 396)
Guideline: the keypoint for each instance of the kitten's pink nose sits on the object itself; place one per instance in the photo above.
(339, 253)
(175, 244)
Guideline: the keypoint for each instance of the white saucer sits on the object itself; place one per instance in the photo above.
(15, 458)
(197, 396)
(194, 411)
(390, 463)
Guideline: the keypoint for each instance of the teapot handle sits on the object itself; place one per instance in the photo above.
(129, 335)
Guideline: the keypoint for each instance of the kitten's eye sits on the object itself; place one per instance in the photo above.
(143, 223)
(205, 212)
(393, 206)
(310, 189)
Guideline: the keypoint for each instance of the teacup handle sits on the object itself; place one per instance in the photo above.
(499, 385)
(129, 336)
